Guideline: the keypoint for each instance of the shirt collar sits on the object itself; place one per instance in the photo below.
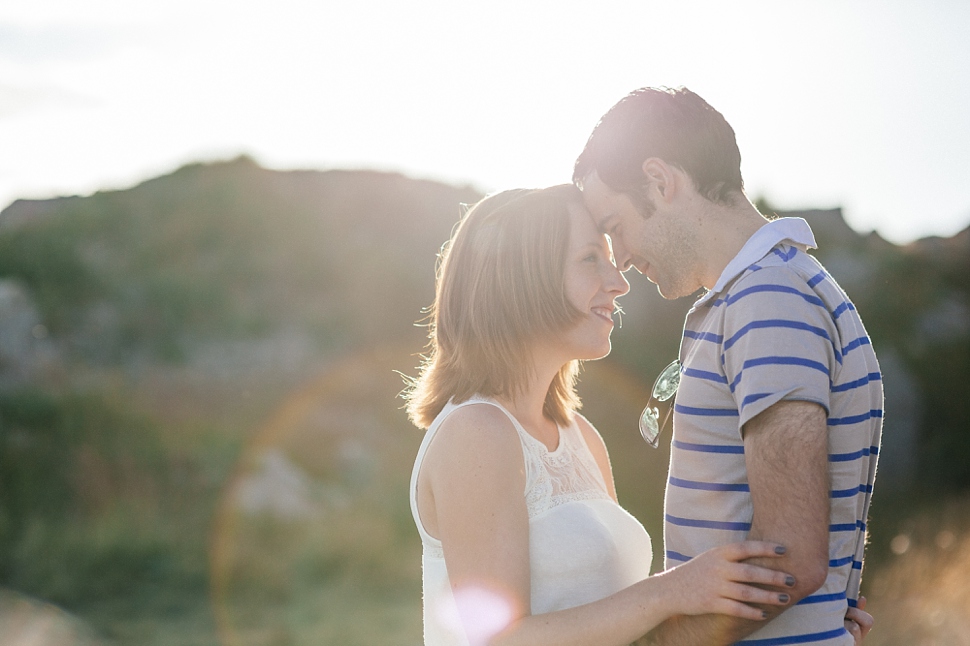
(792, 230)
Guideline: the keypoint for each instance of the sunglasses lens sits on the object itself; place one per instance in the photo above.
(667, 382)
(650, 426)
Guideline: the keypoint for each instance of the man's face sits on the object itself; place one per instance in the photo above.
(655, 241)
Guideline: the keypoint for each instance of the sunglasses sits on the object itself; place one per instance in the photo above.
(663, 389)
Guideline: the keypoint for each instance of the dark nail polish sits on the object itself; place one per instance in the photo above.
(780, 549)
(789, 580)
(783, 598)
(764, 614)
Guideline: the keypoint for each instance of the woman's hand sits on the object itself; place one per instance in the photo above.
(858, 622)
(717, 582)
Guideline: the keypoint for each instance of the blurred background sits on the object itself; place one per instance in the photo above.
(218, 234)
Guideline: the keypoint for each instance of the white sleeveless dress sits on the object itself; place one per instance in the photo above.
(582, 545)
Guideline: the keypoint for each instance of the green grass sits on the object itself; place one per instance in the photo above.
(155, 549)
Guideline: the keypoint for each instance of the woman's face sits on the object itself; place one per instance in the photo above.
(592, 283)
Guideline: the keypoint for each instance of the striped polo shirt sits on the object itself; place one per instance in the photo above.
(775, 327)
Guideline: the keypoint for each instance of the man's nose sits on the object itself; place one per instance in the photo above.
(621, 255)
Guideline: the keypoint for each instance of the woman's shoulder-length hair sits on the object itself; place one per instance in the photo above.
(499, 290)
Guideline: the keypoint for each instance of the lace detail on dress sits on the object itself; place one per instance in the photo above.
(568, 474)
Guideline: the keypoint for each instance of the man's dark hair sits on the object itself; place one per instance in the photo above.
(674, 125)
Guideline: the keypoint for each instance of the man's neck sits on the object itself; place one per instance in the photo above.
(727, 229)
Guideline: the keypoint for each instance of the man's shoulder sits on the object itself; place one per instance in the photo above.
(784, 264)
(771, 281)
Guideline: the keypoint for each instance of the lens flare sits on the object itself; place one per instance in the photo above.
(477, 612)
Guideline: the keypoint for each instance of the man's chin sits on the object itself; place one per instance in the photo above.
(664, 287)
(667, 295)
(670, 292)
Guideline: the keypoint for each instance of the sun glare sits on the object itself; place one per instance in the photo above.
(104, 95)
(478, 613)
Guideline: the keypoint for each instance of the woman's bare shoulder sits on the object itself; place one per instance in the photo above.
(478, 434)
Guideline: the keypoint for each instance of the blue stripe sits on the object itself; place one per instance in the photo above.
(853, 602)
(848, 493)
(777, 361)
(677, 556)
(705, 412)
(843, 527)
(785, 361)
(703, 374)
(794, 639)
(855, 455)
(848, 457)
(778, 323)
(731, 299)
(707, 486)
(856, 565)
(708, 448)
(708, 524)
(855, 419)
(858, 383)
(840, 310)
(703, 336)
(754, 267)
(785, 255)
(863, 340)
(822, 598)
(840, 562)
(816, 279)
(750, 399)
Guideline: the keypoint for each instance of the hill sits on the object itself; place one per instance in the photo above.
(178, 267)
(198, 390)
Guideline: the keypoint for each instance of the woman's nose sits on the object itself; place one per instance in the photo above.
(617, 282)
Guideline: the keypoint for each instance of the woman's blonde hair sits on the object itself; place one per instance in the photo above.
(500, 289)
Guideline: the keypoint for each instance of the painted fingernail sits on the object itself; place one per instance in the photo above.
(764, 614)
(789, 580)
(783, 598)
(780, 549)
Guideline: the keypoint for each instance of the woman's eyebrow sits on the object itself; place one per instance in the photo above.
(591, 246)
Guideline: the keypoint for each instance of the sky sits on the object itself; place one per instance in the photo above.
(862, 105)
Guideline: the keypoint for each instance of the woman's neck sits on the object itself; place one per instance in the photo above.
(527, 406)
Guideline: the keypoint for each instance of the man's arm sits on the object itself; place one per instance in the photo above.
(786, 454)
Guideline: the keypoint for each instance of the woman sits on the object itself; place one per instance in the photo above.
(512, 491)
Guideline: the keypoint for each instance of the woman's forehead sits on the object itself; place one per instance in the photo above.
(582, 229)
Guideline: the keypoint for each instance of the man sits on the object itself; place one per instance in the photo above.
(778, 416)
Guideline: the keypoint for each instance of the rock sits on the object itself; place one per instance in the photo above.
(27, 353)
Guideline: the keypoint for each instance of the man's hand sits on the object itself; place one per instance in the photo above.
(858, 622)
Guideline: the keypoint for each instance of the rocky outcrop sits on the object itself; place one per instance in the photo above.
(27, 353)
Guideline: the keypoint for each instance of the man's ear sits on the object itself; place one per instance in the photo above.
(660, 177)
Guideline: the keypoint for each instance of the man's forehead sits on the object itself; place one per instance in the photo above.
(599, 198)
